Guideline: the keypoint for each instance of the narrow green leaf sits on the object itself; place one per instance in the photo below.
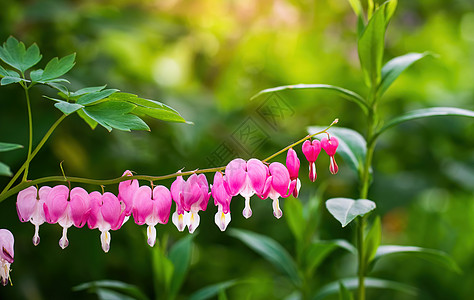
(316, 253)
(122, 287)
(211, 291)
(15, 54)
(9, 80)
(115, 114)
(425, 113)
(352, 146)
(390, 7)
(344, 293)
(87, 119)
(393, 68)
(88, 90)
(68, 108)
(94, 97)
(180, 257)
(347, 94)
(345, 210)
(431, 255)
(270, 250)
(4, 147)
(375, 283)
(294, 216)
(162, 269)
(371, 47)
(106, 294)
(356, 7)
(372, 241)
(5, 170)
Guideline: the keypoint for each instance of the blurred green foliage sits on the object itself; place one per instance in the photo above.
(207, 58)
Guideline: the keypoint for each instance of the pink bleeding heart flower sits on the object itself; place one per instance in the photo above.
(246, 179)
(151, 208)
(190, 196)
(67, 208)
(311, 151)
(6, 255)
(277, 185)
(107, 212)
(330, 146)
(293, 166)
(127, 190)
(222, 201)
(29, 206)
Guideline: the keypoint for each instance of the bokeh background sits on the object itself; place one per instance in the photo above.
(206, 58)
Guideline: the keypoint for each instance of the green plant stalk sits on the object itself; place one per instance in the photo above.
(30, 133)
(24, 184)
(33, 154)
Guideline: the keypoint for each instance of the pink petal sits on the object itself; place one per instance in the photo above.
(281, 178)
(330, 146)
(95, 215)
(26, 203)
(162, 203)
(127, 190)
(257, 173)
(235, 174)
(80, 206)
(56, 203)
(111, 210)
(143, 206)
(6, 245)
(292, 163)
(177, 188)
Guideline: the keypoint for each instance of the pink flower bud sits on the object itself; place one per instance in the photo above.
(6, 255)
(330, 146)
(311, 151)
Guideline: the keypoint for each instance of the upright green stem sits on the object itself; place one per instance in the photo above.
(30, 140)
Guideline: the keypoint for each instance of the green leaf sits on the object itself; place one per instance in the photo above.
(393, 68)
(180, 257)
(5, 170)
(9, 80)
(87, 119)
(372, 241)
(62, 89)
(122, 287)
(347, 94)
(270, 250)
(87, 90)
(16, 55)
(115, 114)
(345, 210)
(162, 269)
(68, 108)
(4, 147)
(344, 293)
(294, 216)
(151, 108)
(10, 73)
(211, 291)
(106, 294)
(371, 47)
(425, 113)
(389, 10)
(352, 146)
(55, 68)
(375, 283)
(356, 7)
(431, 255)
(317, 252)
(94, 97)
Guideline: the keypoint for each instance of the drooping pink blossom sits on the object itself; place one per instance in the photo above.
(152, 207)
(29, 206)
(330, 146)
(190, 196)
(311, 151)
(67, 208)
(277, 185)
(106, 213)
(6, 255)
(127, 191)
(222, 201)
(245, 178)
(293, 166)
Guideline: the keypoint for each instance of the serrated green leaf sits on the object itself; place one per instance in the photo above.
(87, 119)
(68, 108)
(346, 94)
(269, 249)
(425, 113)
(15, 54)
(180, 257)
(10, 73)
(294, 216)
(88, 90)
(54, 69)
(5, 170)
(112, 285)
(4, 147)
(9, 80)
(352, 146)
(211, 291)
(375, 283)
(392, 69)
(115, 114)
(344, 293)
(372, 241)
(371, 47)
(345, 210)
(431, 255)
(94, 97)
